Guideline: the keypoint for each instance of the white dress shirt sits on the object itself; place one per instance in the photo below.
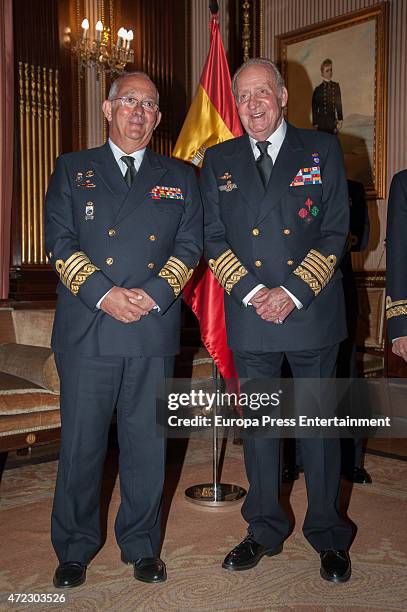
(276, 140)
(118, 153)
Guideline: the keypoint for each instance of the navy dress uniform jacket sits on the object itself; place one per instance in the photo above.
(99, 233)
(396, 255)
(291, 234)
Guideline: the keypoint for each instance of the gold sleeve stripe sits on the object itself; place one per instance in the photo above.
(222, 269)
(178, 269)
(308, 266)
(72, 261)
(73, 257)
(176, 273)
(71, 266)
(64, 268)
(395, 309)
(223, 256)
(177, 264)
(316, 270)
(181, 278)
(227, 269)
(75, 270)
(224, 261)
(231, 268)
(327, 264)
(319, 263)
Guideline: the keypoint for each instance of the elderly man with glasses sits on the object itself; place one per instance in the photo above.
(124, 233)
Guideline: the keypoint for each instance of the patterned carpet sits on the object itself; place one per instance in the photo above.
(197, 539)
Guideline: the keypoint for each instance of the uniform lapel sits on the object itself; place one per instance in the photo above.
(245, 173)
(148, 176)
(292, 156)
(107, 169)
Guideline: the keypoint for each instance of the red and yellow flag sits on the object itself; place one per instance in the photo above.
(212, 118)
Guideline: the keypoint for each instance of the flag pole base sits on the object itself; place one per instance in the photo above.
(212, 495)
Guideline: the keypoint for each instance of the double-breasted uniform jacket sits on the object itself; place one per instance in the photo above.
(396, 256)
(99, 233)
(291, 234)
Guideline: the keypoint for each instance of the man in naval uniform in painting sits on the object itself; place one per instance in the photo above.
(327, 102)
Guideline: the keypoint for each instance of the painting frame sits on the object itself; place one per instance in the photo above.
(374, 17)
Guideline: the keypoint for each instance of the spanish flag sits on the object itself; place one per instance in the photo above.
(212, 118)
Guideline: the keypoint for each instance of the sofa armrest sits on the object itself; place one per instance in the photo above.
(33, 363)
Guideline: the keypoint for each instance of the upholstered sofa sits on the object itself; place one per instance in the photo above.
(29, 384)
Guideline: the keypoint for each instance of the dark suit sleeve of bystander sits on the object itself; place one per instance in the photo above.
(396, 251)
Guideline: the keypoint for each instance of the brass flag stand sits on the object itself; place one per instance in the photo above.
(215, 493)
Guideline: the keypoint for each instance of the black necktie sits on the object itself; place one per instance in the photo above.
(131, 170)
(264, 162)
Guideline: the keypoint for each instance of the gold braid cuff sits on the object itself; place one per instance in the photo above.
(395, 309)
(75, 270)
(316, 270)
(228, 270)
(176, 274)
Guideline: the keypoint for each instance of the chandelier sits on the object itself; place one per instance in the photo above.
(101, 51)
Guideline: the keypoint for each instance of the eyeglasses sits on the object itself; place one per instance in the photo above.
(130, 102)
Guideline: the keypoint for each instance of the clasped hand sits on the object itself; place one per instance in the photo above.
(272, 304)
(127, 305)
(400, 347)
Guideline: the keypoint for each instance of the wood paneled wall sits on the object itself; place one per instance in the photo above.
(37, 135)
(57, 110)
(163, 55)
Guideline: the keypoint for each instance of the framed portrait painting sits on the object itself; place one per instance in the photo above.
(336, 76)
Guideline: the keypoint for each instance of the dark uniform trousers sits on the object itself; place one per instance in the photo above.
(323, 527)
(91, 388)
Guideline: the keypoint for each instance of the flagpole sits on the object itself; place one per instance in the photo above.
(215, 493)
(215, 376)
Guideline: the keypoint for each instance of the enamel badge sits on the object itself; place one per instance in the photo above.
(84, 180)
(161, 192)
(229, 185)
(309, 210)
(89, 211)
(307, 176)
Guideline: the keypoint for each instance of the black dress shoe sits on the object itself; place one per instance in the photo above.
(150, 569)
(335, 565)
(247, 554)
(69, 575)
(360, 476)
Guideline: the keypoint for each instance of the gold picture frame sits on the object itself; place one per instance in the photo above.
(356, 44)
